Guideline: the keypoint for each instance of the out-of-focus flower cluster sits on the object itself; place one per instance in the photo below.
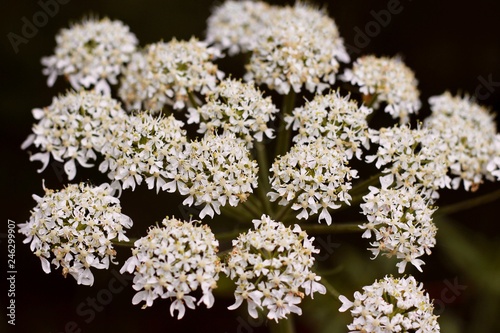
(172, 261)
(271, 266)
(391, 305)
(74, 228)
(468, 133)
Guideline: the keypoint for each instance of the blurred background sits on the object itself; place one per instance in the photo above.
(450, 45)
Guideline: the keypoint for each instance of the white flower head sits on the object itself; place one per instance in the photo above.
(167, 74)
(468, 131)
(338, 120)
(312, 178)
(74, 228)
(235, 26)
(411, 157)
(391, 305)
(300, 47)
(386, 80)
(73, 128)
(401, 223)
(91, 54)
(216, 170)
(143, 147)
(172, 261)
(236, 107)
(271, 266)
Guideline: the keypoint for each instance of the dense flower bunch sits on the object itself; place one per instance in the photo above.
(216, 170)
(312, 178)
(91, 54)
(337, 119)
(387, 80)
(469, 133)
(168, 74)
(172, 261)
(391, 305)
(74, 228)
(401, 223)
(300, 47)
(143, 147)
(190, 131)
(236, 107)
(235, 25)
(73, 128)
(272, 268)
(411, 157)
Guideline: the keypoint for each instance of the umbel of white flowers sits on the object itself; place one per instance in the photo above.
(166, 86)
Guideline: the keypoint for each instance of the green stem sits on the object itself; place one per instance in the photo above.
(252, 209)
(264, 185)
(130, 243)
(192, 100)
(229, 235)
(331, 290)
(283, 211)
(337, 228)
(469, 203)
(282, 326)
(363, 185)
(236, 213)
(283, 140)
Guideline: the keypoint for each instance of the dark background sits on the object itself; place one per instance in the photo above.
(450, 45)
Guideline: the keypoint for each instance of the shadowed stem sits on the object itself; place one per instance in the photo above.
(130, 243)
(283, 140)
(469, 203)
(264, 186)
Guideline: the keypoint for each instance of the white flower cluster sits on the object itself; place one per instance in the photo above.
(74, 228)
(411, 157)
(469, 133)
(235, 25)
(272, 265)
(391, 305)
(338, 120)
(215, 171)
(311, 178)
(168, 74)
(143, 147)
(300, 46)
(172, 261)
(401, 223)
(238, 108)
(91, 53)
(387, 80)
(74, 127)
